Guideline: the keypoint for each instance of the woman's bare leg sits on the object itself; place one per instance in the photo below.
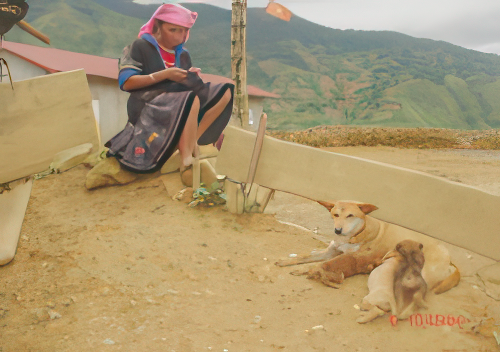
(187, 142)
(214, 112)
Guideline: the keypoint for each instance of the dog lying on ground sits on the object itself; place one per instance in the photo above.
(397, 284)
(370, 240)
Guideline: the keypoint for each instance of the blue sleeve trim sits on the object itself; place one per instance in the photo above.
(178, 51)
(125, 74)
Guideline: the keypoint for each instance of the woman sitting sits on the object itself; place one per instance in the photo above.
(169, 106)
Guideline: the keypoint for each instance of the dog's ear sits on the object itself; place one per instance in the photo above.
(420, 245)
(327, 205)
(398, 247)
(367, 208)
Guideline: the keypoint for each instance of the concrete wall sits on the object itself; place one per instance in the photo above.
(19, 69)
(112, 103)
(255, 104)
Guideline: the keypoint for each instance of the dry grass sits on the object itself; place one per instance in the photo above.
(422, 138)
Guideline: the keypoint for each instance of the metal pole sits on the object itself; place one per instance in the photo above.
(238, 61)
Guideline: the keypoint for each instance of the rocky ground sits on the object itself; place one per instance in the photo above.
(417, 138)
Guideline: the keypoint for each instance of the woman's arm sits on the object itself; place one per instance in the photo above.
(140, 81)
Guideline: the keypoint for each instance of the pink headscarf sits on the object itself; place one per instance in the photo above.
(171, 13)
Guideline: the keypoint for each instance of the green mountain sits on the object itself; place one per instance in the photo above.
(324, 75)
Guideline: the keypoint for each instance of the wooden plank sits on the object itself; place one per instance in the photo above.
(13, 206)
(196, 173)
(235, 197)
(449, 211)
(261, 132)
(239, 61)
(42, 117)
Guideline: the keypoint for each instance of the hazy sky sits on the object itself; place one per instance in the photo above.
(473, 24)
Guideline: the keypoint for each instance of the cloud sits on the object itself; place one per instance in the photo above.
(473, 25)
(478, 28)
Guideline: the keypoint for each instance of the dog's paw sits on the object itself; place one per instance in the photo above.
(364, 306)
(348, 247)
(362, 319)
(331, 284)
(373, 313)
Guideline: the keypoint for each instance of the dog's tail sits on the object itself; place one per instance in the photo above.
(448, 283)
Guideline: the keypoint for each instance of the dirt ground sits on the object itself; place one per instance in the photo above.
(127, 268)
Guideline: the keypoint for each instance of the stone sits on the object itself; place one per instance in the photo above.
(185, 195)
(54, 315)
(93, 159)
(70, 158)
(41, 314)
(187, 176)
(108, 172)
(172, 183)
(172, 164)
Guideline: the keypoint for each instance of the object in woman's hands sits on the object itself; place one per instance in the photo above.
(195, 70)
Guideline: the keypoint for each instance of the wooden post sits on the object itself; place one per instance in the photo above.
(238, 61)
(39, 35)
(261, 132)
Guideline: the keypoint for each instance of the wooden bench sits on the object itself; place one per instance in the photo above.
(40, 118)
(446, 210)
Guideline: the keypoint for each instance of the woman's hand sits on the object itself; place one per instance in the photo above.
(195, 70)
(174, 74)
(140, 81)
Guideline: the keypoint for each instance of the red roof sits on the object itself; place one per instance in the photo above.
(57, 60)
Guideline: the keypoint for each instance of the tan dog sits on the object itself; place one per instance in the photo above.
(370, 240)
(397, 285)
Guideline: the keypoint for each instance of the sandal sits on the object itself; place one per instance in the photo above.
(187, 176)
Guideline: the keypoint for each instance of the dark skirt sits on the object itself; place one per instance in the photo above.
(157, 119)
